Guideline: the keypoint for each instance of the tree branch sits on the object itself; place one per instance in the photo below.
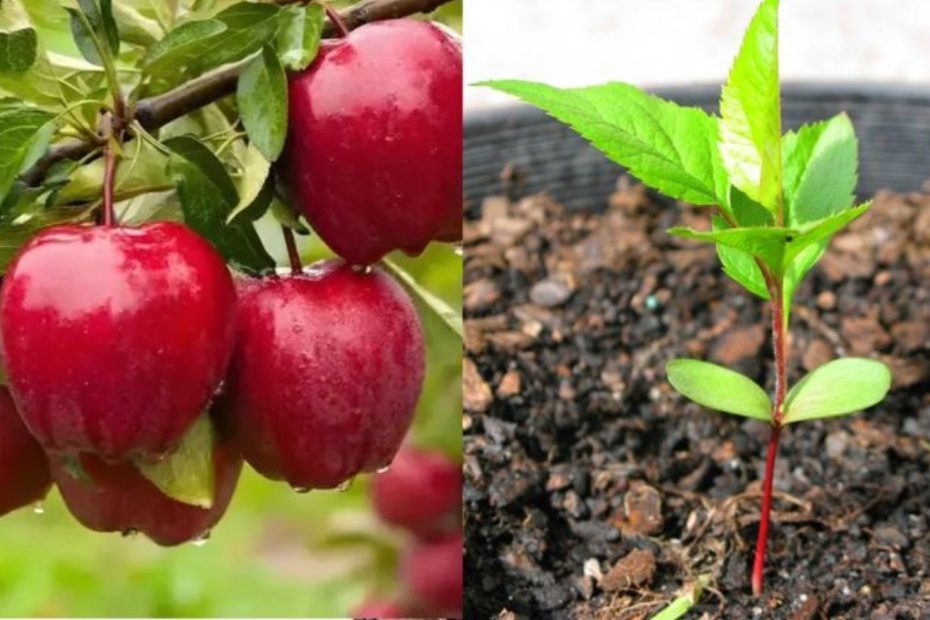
(154, 112)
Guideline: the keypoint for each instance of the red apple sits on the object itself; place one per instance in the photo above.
(116, 497)
(374, 155)
(24, 475)
(115, 339)
(326, 374)
(422, 492)
(432, 573)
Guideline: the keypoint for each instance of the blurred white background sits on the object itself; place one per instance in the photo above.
(654, 42)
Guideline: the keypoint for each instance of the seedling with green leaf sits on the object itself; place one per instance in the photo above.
(776, 201)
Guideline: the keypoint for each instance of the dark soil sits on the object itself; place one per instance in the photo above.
(593, 490)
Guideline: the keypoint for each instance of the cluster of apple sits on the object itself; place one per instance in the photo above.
(422, 495)
(118, 341)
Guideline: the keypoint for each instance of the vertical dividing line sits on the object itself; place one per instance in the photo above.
(109, 174)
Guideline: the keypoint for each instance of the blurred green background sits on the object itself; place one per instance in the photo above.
(276, 552)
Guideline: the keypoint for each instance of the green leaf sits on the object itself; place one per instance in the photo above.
(821, 163)
(254, 179)
(184, 42)
(135, 27)
(231, 35)
(207, 196)
(451, 318)
(187, 474)
(24, 137)
(142, 168)
(668, 147)
(750, 109)
(97, 28)
(768, 244)
(285, 216)
(820, 230)
(837, 388)
(262, 99)
(719, 388)
(18, 40)
(299, 39)
(740, 265)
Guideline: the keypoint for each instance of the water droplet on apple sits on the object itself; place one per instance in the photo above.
(301, 490)
(201, 540)
(220, 388)
(363, 269)
(345, 486)
(383, 470)
(38, 508)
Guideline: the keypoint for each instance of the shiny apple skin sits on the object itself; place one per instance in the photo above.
(116, 497)
(24, 473)
(115, 339)
(374, 154)
(326, 374)
(432, 572)
(422, 493)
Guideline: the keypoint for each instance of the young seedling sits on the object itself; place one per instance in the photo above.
(776, 199)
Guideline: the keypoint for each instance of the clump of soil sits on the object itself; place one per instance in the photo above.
(593, 490)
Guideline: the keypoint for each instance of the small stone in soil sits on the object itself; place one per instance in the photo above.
(476, 394)
(642, 510)
(509, 385)
(632, 570)
(550, 292)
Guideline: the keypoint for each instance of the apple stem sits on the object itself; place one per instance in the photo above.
(292, 253)
(109, 154)
(335, 17)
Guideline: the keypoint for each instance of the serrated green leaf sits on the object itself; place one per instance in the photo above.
(750, 109)
(451, 318)
(740, 266)
(187, 474)
(262, 99)
(837, 388)
(298, 41)
(668, 147)
(815, 232)
(24, 137)
(719, 388)
(768, 244)
(247, 26)
(821, 163)
(207, 196)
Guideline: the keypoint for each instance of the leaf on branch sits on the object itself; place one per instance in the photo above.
(25, 134)
(821, 163)
(231, 35)
(261, 95)
(299, 38)
(18, 40)
(187, 474)
(750, 109)
(451, 318)
(740, 266)
(253, 196)
(668, 147)
(97, 28)
(207, 196)
(719, 388)
(837, 388)
(767, 244)
(820, 230)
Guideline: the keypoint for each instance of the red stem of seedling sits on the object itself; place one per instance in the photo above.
(292, 253)
(334, 17)
(779, 343)
(109, 173)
